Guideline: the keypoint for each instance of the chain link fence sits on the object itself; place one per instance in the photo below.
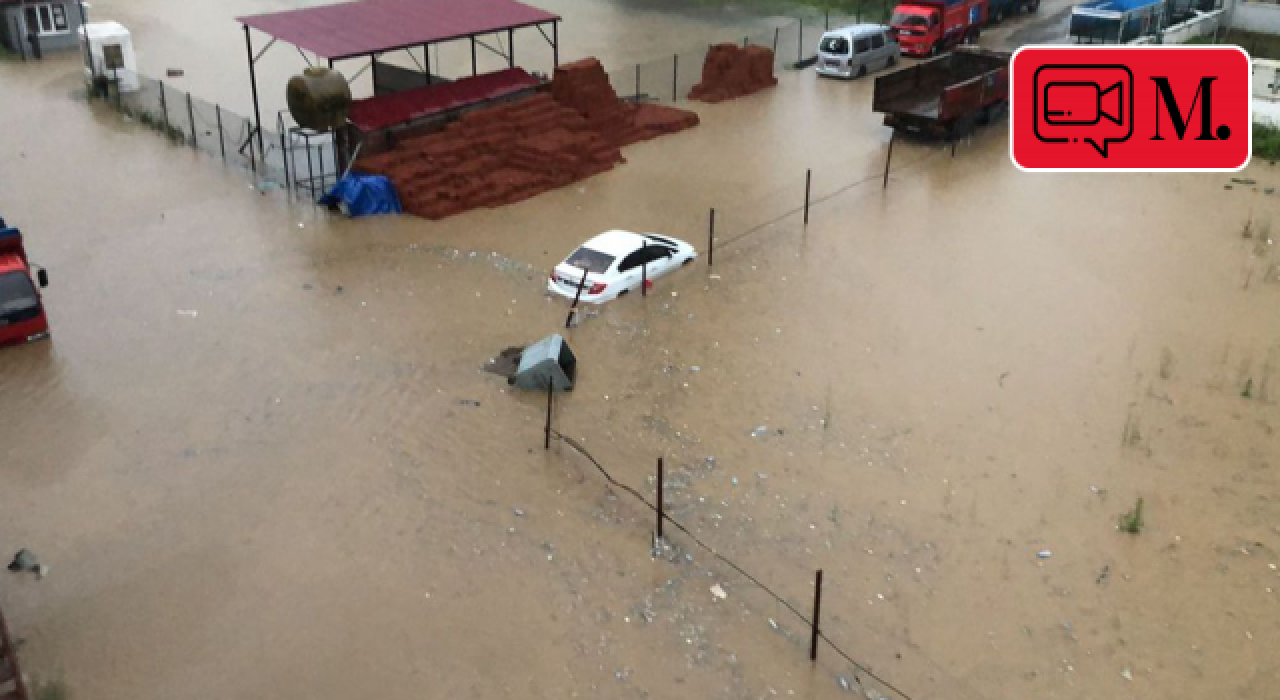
(285, 157)
(669, 79)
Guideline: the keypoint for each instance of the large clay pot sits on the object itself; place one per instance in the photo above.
(318, 99)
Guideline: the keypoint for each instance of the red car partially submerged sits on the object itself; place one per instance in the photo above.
(22, 317)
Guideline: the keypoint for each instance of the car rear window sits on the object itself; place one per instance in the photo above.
(835, 44)
(590, 260)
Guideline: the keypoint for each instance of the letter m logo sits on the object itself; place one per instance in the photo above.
(1164, 94)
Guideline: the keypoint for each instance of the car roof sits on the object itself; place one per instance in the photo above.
(855, 30)
(618, 242)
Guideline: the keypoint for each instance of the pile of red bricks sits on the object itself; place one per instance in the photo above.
(510, 152)
(733, 71)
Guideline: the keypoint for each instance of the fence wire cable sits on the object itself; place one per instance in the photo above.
(813, 202)
(580, 449)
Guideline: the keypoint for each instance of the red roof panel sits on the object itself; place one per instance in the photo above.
(397, 108)
(373, 26)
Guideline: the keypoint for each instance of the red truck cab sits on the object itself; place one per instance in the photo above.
(22, 317)
(927, 27)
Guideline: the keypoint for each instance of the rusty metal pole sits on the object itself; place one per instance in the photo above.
(889, 159)
(660, 507)
(817, 611)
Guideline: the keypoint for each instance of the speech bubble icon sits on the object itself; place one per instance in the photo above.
(1078, 102)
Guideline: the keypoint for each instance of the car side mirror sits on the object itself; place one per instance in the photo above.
(42, 277)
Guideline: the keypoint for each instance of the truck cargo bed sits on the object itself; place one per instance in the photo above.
(955, 84)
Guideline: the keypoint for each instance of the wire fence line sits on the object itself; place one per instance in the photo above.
(860, 669)
(287, 157)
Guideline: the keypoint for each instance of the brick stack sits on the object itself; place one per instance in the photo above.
(494, 156)
(733, 71)
(504, 154)
(584, 86)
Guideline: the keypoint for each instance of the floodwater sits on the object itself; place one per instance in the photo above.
(261, 459)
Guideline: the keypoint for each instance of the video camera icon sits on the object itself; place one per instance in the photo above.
(1083, 102)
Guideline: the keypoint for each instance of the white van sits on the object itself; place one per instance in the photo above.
(854, 51)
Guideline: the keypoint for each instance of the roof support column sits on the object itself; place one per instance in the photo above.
(555, 44)
(511, 48)
(473, 55)
(253, 83)
(426, 61)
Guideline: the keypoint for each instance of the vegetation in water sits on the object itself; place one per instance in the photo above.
(1131, 522)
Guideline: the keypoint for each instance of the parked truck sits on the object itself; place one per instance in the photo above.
(22, 317)
(929, 27)
(945, 96)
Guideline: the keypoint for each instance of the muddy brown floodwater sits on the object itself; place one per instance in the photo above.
(261, 459)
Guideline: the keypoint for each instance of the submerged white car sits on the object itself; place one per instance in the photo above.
(616, 262)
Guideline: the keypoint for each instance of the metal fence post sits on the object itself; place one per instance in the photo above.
(644, 270)
(191, 120)
(799, 40)
(573, 310)
(893, 136)
(222, 142)
(817, 611)
(546, 442)
(660, 507)
(711, 239)
(637, 81)
(675, 74)
(775, 40)
(164, 108)
(808, 178)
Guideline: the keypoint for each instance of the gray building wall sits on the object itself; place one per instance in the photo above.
(14, 30)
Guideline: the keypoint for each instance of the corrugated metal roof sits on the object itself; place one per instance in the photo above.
(397, 108)
(372, 26)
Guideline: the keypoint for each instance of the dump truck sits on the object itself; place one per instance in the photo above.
(22, 317)
(945, 96)
(929, 27)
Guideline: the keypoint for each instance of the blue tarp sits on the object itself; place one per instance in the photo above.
(363, 195)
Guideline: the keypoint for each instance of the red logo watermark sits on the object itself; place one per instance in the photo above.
(1128, 108)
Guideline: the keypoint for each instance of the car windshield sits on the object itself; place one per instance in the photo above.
(904, 20)
(18, 300)
(591, 260)
(834, 44)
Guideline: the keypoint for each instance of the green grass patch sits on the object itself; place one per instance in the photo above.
(1131, 522)
(1266, 142)
(1258, 45)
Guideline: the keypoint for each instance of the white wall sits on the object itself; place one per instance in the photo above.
(1200, 25)
(1266, 91)
(1256, 17)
